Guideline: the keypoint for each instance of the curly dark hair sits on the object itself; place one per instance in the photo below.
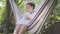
(31, 4)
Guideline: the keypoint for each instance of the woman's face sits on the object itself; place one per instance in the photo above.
(29, 8)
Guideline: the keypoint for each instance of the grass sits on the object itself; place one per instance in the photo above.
(2, 33)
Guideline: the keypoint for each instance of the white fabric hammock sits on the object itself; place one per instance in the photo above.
(39, 19)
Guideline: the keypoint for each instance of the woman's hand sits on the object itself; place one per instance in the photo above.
(27, 18)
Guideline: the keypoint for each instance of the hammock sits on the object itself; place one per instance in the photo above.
(41, 16)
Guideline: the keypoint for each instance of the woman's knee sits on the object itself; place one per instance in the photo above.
(17, 28)
(23, 29)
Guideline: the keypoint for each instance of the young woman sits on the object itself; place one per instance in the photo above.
(22, 24)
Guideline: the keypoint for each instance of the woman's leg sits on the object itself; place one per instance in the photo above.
(23, 29)
(17, 28)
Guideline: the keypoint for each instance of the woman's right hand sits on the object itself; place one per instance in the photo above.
(27, 18)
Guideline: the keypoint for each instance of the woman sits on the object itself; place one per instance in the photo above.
(22, 24)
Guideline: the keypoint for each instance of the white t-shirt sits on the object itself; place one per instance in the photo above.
(24, 21)
(31, 16)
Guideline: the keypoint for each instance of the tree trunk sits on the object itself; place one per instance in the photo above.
(8, 18)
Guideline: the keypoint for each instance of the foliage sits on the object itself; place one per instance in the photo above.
(2, 11)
